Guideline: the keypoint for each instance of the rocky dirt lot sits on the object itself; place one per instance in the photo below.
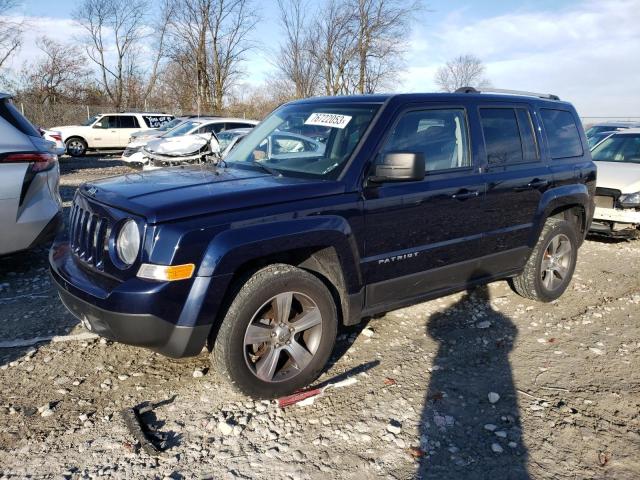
(481, 384)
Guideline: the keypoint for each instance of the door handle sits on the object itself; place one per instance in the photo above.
(538, 183)
(532, 185)
(465, 194)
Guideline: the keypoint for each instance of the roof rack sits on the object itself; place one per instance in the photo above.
(548, 96)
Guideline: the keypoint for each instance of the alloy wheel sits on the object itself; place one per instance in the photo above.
(283, 337)
(556, 262)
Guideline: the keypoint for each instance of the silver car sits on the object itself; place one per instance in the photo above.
(30, 205)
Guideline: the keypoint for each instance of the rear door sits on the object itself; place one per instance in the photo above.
(516, 177)
(424, 236)
(127, 124)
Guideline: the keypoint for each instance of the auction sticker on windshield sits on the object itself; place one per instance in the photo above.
(333, 120)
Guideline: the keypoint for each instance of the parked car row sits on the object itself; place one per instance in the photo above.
(185, 142)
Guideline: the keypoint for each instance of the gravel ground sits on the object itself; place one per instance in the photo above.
(482, 384)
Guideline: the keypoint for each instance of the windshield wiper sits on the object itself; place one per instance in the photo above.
(269, 170)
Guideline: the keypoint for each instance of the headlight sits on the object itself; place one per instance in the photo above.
(630, 199)
(128, 242)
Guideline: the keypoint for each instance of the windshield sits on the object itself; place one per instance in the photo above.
(182, 129)
(169, 125)
(618, 148)
(311, 140)
(89, 121)
(225, 138)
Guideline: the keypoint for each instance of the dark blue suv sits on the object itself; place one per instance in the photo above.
(263, 255)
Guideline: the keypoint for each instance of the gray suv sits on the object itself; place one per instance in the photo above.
(30, 205)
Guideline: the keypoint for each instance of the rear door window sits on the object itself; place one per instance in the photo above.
(212, 127)
(11, 114)
(127, 121)
(509, 136)
(562, 133)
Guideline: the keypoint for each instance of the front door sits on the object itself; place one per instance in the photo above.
(104, 133)
(424, 237)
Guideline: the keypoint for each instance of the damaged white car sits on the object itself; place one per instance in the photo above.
(134, 154)
(617, 198)
(186, 149)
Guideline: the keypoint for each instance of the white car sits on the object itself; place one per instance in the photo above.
(108, 131)
(56, 139)
(134, 156)
(617, 199)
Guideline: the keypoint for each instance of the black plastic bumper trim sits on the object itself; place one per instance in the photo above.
(142, 330)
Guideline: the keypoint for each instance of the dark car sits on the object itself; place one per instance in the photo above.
(262, 258)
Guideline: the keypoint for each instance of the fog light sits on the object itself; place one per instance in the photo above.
(168, 273)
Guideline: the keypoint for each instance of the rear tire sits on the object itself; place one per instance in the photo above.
(550, 267)
(277, 334)
(76, 147)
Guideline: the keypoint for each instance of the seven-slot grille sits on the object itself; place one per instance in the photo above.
(89, 235)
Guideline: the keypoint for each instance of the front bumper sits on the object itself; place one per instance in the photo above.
(171, 318)
(142, 330)
(618, 215)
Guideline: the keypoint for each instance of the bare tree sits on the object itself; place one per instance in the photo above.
(231, 22)
(380, 27)
(161, 29)
(295, 60)
(189, 32)
(112, 25)
(209, 42)
(463, 71)
(10, 31)
(334, 46)
(57, 73)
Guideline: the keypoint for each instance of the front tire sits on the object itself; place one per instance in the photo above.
(76, 147)
(550, 267)
(277, 334)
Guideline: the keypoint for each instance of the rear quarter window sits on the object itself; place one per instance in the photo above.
(562, 133)
(156, 121)
(11, 114)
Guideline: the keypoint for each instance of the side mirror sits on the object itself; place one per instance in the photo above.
(399, 167)
(98, 125)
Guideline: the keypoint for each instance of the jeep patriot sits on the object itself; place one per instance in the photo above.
(262, 256)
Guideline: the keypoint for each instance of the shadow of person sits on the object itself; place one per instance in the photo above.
(463, 435)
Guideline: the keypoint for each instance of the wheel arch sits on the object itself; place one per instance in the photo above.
(324, 247)
(570, 203)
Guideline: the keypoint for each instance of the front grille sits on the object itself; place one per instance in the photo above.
(604, 201)
(89, 236)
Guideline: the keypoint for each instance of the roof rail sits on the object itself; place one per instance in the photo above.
(548, 96)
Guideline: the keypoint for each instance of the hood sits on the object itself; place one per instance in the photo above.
(623, 176)
(177, 193)
(179, 146)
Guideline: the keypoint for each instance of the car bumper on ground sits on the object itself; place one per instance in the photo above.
(628, 215)
(616, 222)
(112, 309)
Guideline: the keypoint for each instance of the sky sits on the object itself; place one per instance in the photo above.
(587, 52)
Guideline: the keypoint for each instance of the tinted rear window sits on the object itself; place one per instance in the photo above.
(11, 114)
(157, 121)
(128, 121)
(562, 133)
(501, 136)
